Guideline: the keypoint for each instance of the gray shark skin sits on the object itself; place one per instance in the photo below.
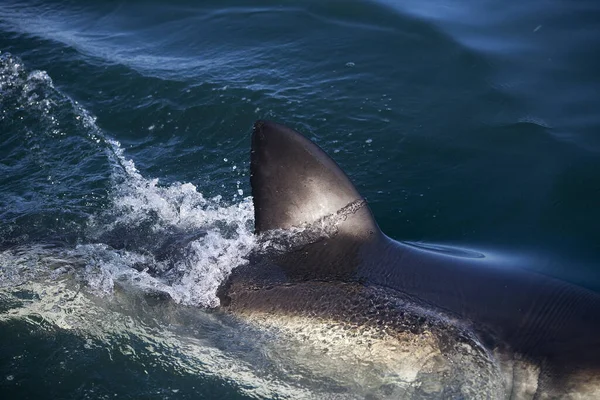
(527, 336)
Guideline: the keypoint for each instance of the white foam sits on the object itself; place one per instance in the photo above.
(180, 206)
(136, 203)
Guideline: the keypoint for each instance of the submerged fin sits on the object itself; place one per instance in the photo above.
(295, 183)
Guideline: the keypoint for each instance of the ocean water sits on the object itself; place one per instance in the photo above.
(124, 154)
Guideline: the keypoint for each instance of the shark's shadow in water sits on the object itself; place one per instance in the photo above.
(536, 336)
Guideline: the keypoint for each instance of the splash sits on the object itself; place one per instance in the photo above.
(193, 242)
(149, 236)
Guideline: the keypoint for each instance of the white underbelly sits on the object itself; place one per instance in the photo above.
(370, 362)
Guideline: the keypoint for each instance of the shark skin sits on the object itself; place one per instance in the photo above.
(435, 324)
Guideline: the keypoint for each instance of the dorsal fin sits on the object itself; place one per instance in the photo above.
(295, 183)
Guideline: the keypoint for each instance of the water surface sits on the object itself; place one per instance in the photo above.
(124, 150)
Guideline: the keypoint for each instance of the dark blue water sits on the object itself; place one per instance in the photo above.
(124, 149)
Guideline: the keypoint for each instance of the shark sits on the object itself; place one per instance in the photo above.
(390, 319)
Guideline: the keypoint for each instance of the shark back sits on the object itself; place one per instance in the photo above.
(544, 333)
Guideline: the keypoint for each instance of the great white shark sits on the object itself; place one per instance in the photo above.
(419, 322)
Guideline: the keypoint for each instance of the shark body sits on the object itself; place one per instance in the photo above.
(404, 321)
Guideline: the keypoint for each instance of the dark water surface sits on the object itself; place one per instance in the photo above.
(124, 143)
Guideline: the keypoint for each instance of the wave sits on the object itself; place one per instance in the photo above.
(160, 237)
